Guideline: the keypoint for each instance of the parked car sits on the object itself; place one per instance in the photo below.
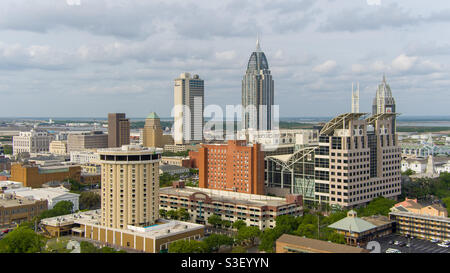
(443, 245)
(392, 250)
(391, 242)
(434, 240)
(396, 243)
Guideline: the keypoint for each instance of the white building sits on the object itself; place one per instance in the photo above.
(52, 195)
(84, 157)
(277, 137)
(418, 165)
(188, 112)
(31, 142)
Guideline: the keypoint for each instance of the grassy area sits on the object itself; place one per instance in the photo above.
(421, 129)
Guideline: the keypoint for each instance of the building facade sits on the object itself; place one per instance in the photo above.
(34, 176)
(118, 130)
(152, 133)
(425, 222)
(130, 186)
(235, 166)
(189, 93)
(84, 157)
(356, 160)
(257, 93)
(31, 142)
(15, 209)
(255, 210)
(84, 141)
(58, 147)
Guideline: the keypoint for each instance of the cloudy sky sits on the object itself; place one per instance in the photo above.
(85, 58)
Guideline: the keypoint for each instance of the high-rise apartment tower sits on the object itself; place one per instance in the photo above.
(189, 103)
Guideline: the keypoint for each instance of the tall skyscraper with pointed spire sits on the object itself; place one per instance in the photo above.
(257, 93)
(355, 99)
(384, 101)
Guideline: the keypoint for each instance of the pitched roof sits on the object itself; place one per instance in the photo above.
(312, 245)
(353, 224)
(152, 115)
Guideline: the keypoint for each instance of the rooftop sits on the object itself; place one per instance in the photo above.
(8, 200)
(255, 200)
(317, 245)
(41, 193)
(352, 223)
(161, 228)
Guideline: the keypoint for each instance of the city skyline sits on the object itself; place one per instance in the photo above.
(126, 66)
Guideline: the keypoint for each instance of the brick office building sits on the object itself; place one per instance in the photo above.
(235, 166)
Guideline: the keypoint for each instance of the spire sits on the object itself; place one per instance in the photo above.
(384, 77)
(258, 46)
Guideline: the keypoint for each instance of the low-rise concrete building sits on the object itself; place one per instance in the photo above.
(152, 239)
(52, 195)
(295, 244)
(426, 222)
(172, 169)
(16, 209)
(253, 209)
(176, 161)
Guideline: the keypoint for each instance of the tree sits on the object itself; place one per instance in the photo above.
(214, 220)
(446, 201)
(172, 214)
(268, 238)
(378, 206)
(87, 247)
(184, 246)
(162, 213)
(89, 200)
(183, 214)
(408, 172)
(214, 241)
(248, 233)
(226, 224)
(61, 208)
(238, 224)
(239, 249)
(22, 240)
(7, 150)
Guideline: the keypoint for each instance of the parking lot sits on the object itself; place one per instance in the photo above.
(417, 245)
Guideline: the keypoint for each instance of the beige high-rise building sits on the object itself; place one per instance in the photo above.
(356, 160)
(153, 134)
(188, 112)
(130, 186)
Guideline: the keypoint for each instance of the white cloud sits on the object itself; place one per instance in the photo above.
(226, 55)
(373, 2)
(325, 67)
(358, 68)
(403, 62)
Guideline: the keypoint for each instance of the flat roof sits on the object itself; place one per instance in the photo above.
(227, 196)
(314, 245)
(162, 228)
(41, 193)
(15, 202)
